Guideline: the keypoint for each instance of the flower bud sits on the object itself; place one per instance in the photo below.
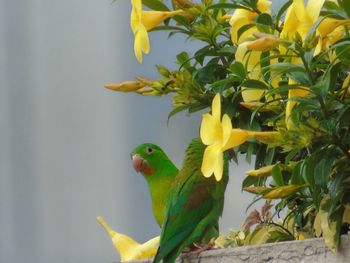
(264, 42)
(261, 172)
(283, 191)
(126, 86)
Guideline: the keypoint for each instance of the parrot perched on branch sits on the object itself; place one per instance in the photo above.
(159, 172)
(193, 206)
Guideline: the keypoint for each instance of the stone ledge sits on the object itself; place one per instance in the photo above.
(310, 250)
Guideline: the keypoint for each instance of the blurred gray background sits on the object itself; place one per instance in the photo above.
(65, 140)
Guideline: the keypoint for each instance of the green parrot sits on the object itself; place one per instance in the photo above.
(159, 172)
(193, 206)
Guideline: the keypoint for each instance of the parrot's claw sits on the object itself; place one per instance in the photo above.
(198, 249)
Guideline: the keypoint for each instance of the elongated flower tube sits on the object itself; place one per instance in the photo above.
(143, 21)
(129, 249)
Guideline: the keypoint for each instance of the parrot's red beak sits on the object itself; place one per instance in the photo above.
(141, 165)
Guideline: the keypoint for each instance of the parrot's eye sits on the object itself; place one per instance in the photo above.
(149, 150)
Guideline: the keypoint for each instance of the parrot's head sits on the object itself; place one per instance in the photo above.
(146, 158)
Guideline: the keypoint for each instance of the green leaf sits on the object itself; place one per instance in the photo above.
(227, 51)
(210, 72)
(250, 151)
(277, 175)
(267, 233)
(222, 84)
(253, 83)
(291, 155)
(176, 110)
(297, 177)
(183, 59)
(283, 9)
(227, 6)
(269, 155)
(264, 19)
(202, 53)
(155, 5)
(329, 79)
(329, 228)
(323, 171)
(249, 181)
(242, 29)
(343, 51)
(238, 70)
(345, 4)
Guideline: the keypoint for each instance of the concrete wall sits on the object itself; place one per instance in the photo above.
(311, 250)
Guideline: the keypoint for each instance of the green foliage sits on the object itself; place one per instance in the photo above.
(303, 83)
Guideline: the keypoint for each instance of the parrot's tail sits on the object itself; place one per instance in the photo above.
(170, 258)
(157, 257)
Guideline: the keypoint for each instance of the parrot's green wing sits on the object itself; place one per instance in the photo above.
(193, 206)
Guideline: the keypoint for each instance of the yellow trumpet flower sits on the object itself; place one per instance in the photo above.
(219, 136)
(129, 249)
(300, 18)
(143, 21)
(243, 17)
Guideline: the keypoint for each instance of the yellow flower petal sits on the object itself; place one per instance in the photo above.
(250, 95)
(313, 9)
(237, 137)
(210, 131)
(251, 59)
(226, 129)
(129, 249)
(219, 166)
(216, 107)
(137, 5)
(210, 159)
(264, 6)
(290, 23)
(328, 25)
(152, 19)
(300, 9)
(241, 52)
(293, 93)
(243, 17)
(134, 20)
(141, 42)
